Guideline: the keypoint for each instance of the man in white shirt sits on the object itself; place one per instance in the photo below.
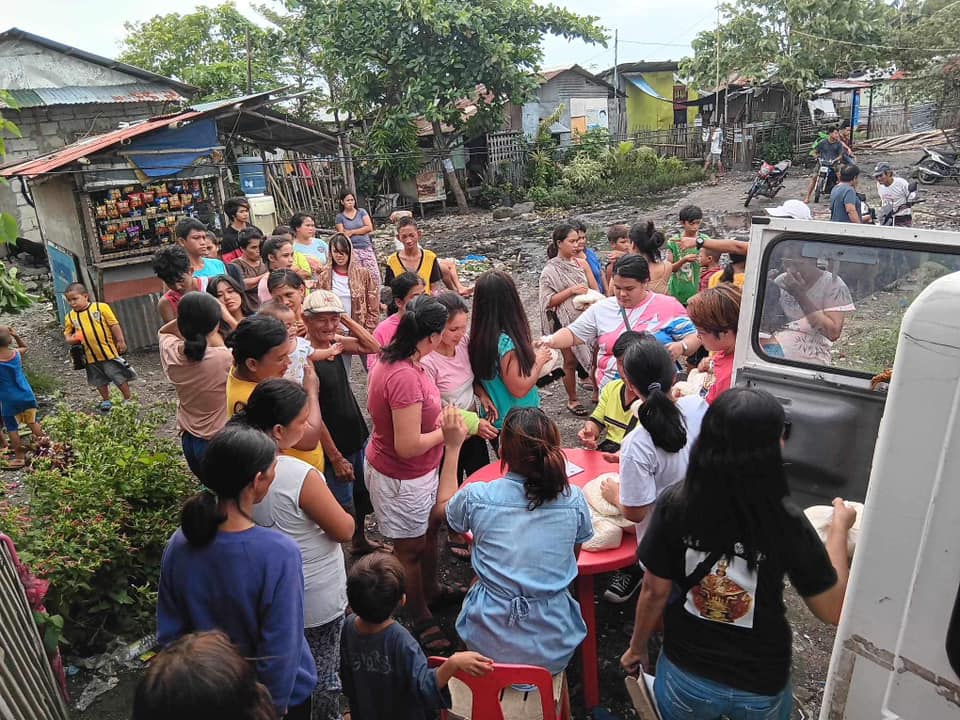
(893, 191)
(714, 138)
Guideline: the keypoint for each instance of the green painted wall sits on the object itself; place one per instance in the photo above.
(645, 112)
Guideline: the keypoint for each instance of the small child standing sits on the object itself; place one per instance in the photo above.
(619, 238)
(302, 351)
(613, 413)
(709, 266)
(685, 281)
(17, 400)
(383, 669)
(96, 328)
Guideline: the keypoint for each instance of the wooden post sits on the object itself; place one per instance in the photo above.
(869, 112)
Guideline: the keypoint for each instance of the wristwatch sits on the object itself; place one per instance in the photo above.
(700, 242)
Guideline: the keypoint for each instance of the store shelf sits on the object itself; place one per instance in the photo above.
(138, 218)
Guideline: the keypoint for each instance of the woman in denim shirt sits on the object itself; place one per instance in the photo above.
(527, 528)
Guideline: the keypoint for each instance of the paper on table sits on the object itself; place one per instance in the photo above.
(573, 469)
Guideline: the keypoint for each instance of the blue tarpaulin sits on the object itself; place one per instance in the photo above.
(170, 150)
(644, 86)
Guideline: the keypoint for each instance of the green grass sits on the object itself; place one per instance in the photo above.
(42, 382)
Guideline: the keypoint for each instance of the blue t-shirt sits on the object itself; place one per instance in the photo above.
(521, 610)
(16, 395)
(358, 241)
(503, 401)
(385, 675)
(250, 585)
(596, 267)
(841, 196)
(211, 268)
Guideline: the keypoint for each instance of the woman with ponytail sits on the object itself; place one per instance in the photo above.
(648, 242)
(520, 610)
(300, 504)
(196, 361)
(222, 571)
(727, 536)
(403, 459)
(654, 455)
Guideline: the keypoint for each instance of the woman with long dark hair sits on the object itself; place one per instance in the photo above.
(564, 277)
(633, 306)
(300, 505)
(196, 361)
(727, 536)
(520, 610)
(221, 571)
(501, 350)
(648, 242)
(234, 300)
(654, 455)
(310, 252)
(403, 460)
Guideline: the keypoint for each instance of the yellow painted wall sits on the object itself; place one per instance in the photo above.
(645, 112)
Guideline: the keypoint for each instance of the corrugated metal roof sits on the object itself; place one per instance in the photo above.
(130, 93)
(16, 33)
(70, 153)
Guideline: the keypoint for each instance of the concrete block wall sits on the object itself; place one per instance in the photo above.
(47, 129)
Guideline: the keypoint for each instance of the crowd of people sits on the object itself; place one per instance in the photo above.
(259, 340)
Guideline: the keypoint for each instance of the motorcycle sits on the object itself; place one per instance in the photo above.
(936, 166)
(887, 212)
(769, 180)
(826, 178)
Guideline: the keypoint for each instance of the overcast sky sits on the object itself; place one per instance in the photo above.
(649, 29)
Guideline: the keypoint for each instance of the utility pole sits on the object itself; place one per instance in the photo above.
(616, 82)
(249, 62)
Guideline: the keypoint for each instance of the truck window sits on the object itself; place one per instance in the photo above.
(839, 305)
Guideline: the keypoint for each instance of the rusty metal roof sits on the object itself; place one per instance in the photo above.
(96, 94)
(51, 161)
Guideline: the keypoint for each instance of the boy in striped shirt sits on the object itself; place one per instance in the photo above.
(96, 328)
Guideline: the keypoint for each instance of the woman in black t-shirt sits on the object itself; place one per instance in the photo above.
(726, 537)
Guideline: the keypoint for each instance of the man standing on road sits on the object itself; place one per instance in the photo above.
(714, 139)
(893, 191)
(844, 203)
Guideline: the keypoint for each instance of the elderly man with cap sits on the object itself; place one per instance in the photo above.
(323, 316)
(894, 191)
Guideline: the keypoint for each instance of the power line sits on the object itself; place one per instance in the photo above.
(882, 47)
(640, 42)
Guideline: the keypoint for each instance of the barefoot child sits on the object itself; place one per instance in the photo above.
(18, 402)
(96, 328)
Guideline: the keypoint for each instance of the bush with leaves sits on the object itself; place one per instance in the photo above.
(583, 175)
(104, 500)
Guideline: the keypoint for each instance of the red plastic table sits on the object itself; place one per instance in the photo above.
(588, 564)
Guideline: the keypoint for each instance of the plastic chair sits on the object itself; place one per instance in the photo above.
(487, 691)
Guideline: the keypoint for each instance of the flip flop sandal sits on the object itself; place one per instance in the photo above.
(579, 410)
(432, 638)
(448, 595)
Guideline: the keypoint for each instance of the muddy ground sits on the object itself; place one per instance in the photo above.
(518, 245)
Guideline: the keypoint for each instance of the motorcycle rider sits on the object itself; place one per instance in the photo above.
(829, 150)
(895, 192)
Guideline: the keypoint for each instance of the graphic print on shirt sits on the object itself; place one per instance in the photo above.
(728, 593)
(372, 661)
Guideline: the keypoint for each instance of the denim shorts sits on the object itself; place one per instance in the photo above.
(681, 695)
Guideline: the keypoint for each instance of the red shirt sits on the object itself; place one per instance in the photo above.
(706, 274)
(394, 386)
(722, 373)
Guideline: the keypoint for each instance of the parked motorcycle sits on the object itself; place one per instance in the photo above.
(827, 178)
(936, 166)
(886, 214)
(769, 180)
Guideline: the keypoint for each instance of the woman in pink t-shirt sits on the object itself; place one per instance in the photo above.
(715, 313)
(403, 460)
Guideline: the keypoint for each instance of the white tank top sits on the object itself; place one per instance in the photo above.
(324, 576)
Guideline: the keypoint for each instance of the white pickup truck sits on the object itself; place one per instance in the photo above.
(826, 307)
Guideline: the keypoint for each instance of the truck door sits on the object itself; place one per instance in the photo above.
(822, 308)
(896, 651)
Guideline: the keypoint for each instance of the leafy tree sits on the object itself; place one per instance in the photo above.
(418, 58)
(208, 49)
(794, 40)
(13, 295)
(927, 38)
